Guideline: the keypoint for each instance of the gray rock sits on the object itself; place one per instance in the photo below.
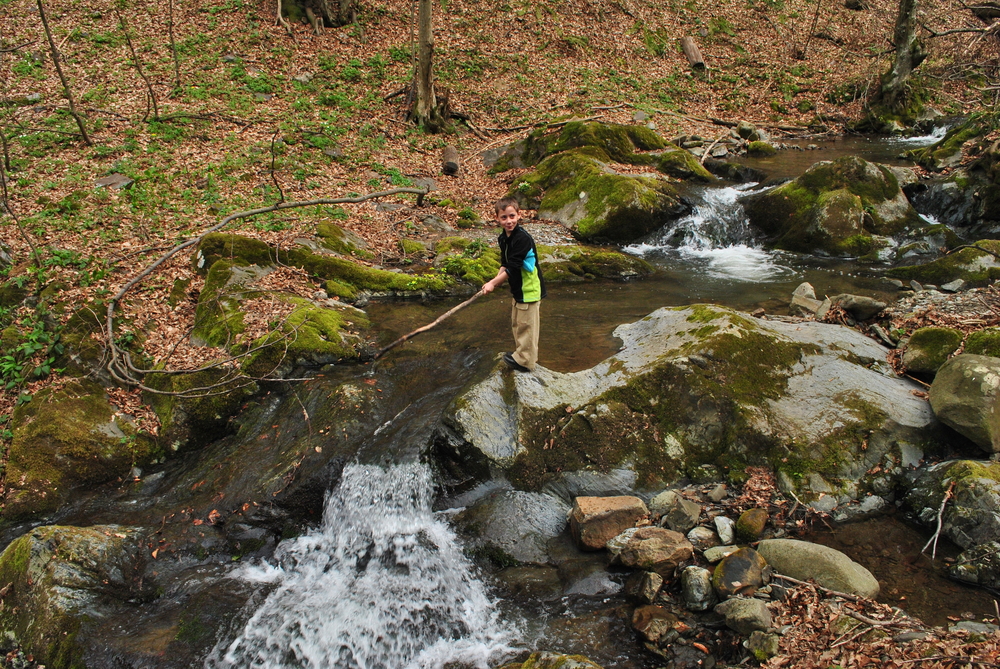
(702, 537)
(972, 516)
(570, 485)
(263, 97)
(915, 285)
(745, 616)
(860, 307)
(964, 397)
(675, 512)
(763, 645)
(828, 567)
(618, 544)
(953, 286)
(113, 182)
(655, 549)
(985, 629)
(979, 566)
(928, 348)
(870, 506)
(644, 586)
(718, 493)
(804, 306)
(334, 152)
(520, 524)
(303, 78)
(717, 553)
(805, 289)
(824, 503)
(425, 182)
(230, 58)
(696, 588)
(640, 116)
(726, 529)
(748, 131)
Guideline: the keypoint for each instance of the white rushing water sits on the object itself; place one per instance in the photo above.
(717, 237)
(383, 584)
(936, 135)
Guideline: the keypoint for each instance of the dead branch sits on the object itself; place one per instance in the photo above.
(119, 363)
(427, 327)
(842, 595)
(973, 246)
(62, 77)
(138, 66)
(940, 522)
(708, 151)
(12, 49)
(173, 44)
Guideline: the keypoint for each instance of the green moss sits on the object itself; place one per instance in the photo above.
(239, 250)
(969, 264)
(760, 149)
(936, 344)
(615, 142)
(12, 295)
(494, 555)
(361, 277)
(334, 238)
(341, 290)
(218, 319)
(410, 246)
(702, 313)
(682, 164)
(984, 342)
(857, 245)
(948, 150)
(178, 292)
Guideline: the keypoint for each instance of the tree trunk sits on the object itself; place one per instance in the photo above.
(425, 101)
(894, 92)
(693, 53)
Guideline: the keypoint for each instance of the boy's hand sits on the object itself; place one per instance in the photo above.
(488, 287)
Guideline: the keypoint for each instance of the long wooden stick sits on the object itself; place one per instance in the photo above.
(429, 325)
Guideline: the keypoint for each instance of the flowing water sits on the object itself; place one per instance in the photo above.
(382, 584)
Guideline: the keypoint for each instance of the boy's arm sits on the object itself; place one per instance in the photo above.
(495, 281)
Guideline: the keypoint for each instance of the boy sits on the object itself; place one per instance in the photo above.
(519, 267)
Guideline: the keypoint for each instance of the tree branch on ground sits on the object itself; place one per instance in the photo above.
(62, 77)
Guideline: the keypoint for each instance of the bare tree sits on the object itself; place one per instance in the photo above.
(427, 111)
(895, 91)
(62, 77)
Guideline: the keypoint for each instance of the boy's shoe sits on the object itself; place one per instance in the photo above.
(514, 364)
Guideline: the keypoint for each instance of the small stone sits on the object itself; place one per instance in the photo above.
(230, 58)
(985, 629)
(824, 503)
(640, 116)
(596, 520)
(906, 637)
(303, 78)
(750, 524)
(656, 549)
(320, 295)
(745, 616)
(718, 493)
(726, 529)
(114, 182)
(805, 289)
(859, 307)
(425, 182)
(262, 97)
(763, 645)
(740, 573)
(720, 152)
(717, 553)
(702, 537)
(675, 512)
(653, 622)
(953, 286)
(696, 588)
(896, 283)
(334, 152)
(644, 586)
(915, 285)
(33, 97)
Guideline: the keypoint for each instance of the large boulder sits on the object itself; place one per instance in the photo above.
(964, 397)
(929, 348)
(972, 515)
(835, 207)
(828, 567)
(698, 385)
(58, 582)
(512, 526)
(63, 439)
(979, 566)
(976, 265)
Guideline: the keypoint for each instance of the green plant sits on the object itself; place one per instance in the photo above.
(33, 354)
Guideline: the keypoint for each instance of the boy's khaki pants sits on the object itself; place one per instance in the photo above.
(524, 323)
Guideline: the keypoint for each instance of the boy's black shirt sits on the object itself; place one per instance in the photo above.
(513, 251)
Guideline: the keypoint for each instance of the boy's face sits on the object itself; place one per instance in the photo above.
(508, 218)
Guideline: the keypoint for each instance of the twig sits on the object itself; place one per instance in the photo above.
(12, 49)
(542, 124)
(940, 522)
(281, 193)
(843, 595)
(973, 246)
(173, 44)
(429, 325)
(62, 76)
(712, 146)
(138, 66)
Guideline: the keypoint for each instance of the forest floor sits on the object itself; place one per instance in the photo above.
(247, 114)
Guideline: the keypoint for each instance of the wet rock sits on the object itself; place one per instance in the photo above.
(739, 574)
(696, 588)
(655, 549)
(824, 503)
(653, 622)
(751, 524)
(828, 567)
(972, 516)
(734, 171)
(859, 307)
(972, 265)
(530, 583)
(674, 511)
(835, 207)
(570, 485)
(870, 507)
(763, 645)
(964, 397)
(929, 348)
(644, 586)
(515, 524)
(544, 660)
(979, 566)
(702, 538)
(745, 616)
(60, 582)
(761, 149)
(596, 520)
(726, 529)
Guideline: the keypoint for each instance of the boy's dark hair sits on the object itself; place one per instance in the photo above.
(505, 202)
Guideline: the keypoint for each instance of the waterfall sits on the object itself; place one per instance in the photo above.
(383, 583)
(717, 237)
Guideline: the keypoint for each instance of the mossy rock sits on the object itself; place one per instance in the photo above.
(947, 152)
(761, 149)
(412, 246)
(614, 142)
(83, 354)
(832, 206)
(984, 342)
(189, 422)
(929, 348)
(971, 516)
(974, 266)
(596, 203)
(58, 582)
(750, 525)
(237, 249)
(571, 264)
(339, 240)
(64, 439)
(12, 295)
(544, 660)
(677, 162)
